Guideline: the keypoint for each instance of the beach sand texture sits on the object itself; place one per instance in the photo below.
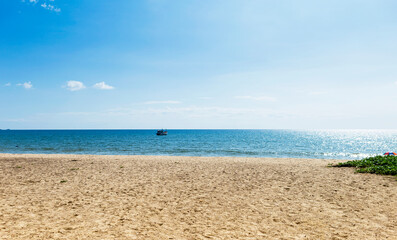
(158, 197)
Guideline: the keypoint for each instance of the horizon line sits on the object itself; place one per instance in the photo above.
(307, 129)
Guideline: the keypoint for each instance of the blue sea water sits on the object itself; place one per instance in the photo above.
(325, 144)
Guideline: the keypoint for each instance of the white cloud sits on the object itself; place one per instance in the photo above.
(103, 86)
(197, 112)
(163, 102)
(50, 7)
(7, 84)
(26, 85)
(75, 85)
(45, 5)
(260, 98)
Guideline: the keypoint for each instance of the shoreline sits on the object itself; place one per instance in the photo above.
(52, 196)
(47, 155)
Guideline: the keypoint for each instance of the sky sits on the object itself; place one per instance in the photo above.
(198, 64)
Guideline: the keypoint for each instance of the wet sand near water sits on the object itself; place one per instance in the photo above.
(163, 197)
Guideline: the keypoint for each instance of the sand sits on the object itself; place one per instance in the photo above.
(147, 197)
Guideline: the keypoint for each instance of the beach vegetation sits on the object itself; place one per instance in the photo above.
(74, 169)
(63, 181)
(385, 165)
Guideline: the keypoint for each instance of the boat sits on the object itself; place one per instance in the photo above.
(162, 132)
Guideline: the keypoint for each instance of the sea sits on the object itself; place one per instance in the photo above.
(320, 144)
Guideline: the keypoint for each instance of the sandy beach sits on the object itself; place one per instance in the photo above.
(157, 197)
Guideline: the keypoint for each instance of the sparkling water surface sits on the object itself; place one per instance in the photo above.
(326, 144)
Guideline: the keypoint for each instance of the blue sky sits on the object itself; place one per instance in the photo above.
(198, 64)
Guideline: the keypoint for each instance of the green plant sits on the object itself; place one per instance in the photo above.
(385, 165)
(63, 181)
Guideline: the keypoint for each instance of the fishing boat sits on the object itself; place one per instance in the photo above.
(162, 132)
